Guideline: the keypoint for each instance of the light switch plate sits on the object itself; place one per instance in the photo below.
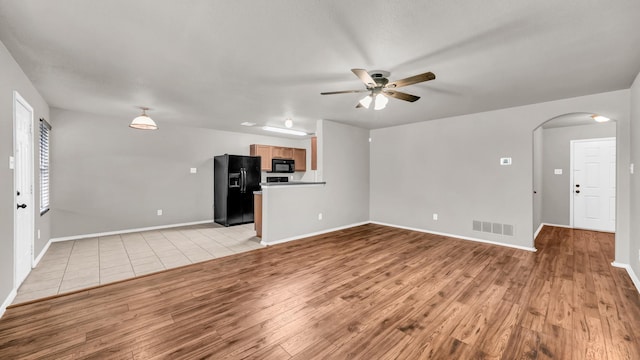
(557, 171)
(505, 161)
(194, 170)
(12, 162)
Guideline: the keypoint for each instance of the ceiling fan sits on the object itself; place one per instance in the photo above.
(380, 89)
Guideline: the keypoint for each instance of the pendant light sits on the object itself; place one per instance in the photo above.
(143, 122)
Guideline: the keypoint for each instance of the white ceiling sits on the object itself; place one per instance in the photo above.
(215, 64)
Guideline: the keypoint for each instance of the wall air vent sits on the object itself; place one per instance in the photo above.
(494, 228)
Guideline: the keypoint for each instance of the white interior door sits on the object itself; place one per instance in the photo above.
(594, 184)
(23, 179)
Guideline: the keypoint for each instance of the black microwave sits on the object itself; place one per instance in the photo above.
(283, 165)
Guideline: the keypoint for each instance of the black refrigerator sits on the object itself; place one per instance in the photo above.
(235, 179)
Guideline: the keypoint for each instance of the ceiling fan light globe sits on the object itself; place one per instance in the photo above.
(366, 101)
(381, 102)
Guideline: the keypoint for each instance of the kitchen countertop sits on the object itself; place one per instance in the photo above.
(293, 183)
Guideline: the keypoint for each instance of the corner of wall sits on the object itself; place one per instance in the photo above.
(634, 198)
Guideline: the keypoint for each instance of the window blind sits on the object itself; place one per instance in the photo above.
(45, 130)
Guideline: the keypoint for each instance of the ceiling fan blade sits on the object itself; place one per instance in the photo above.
(364, 77)
(411, 80)
(401, 95)
(343, 92)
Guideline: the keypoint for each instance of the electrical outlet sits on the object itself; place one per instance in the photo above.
(319, 216)
(159, 212)
(193, 170)
(435, 216)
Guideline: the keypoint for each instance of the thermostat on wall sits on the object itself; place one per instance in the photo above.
(505, 161)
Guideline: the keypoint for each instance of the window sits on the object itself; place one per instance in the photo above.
(45, 129)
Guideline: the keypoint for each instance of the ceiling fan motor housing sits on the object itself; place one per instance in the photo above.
(380, 77)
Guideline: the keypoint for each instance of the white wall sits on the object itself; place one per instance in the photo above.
(292, 211)
(109, 177)
(634, 245)
(13, 79)
(451, 167)
(556, 190)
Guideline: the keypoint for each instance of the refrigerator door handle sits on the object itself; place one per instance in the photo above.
(245, 179)
(243, 175)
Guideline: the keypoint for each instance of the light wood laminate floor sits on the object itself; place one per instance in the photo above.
(84, 263)
(368, 292)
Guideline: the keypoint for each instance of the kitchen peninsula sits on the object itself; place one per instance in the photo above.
(292, 183)
(290, 209)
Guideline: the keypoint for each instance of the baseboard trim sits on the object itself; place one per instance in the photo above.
(632, 274)
(41, 255)
(127, 231)
(535, 234)
(532, 249)
(298, 237)
(8, 301)
(542, 225)
(558, 225)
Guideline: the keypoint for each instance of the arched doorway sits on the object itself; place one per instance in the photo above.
(554, 186)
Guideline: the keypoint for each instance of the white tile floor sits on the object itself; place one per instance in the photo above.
(78, 264)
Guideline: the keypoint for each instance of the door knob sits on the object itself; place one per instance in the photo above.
(23, 206)
(18, 193)
(577, 191)
(577, 185)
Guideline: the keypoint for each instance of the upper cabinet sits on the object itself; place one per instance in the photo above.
(314, 153)
(278, 152)
(268, 152)
(300, 157)
(264, 151)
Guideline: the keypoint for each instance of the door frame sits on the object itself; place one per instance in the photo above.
(571, 171)
(17, 98)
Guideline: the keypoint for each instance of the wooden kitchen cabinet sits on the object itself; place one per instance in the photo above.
(264, 151)
(257, 213)
(300, 157)
(268, 152)
(314, 153)
(278, 152)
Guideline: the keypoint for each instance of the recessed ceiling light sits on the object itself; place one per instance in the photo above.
(600, 118)
(246, 123)
(284, 131)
